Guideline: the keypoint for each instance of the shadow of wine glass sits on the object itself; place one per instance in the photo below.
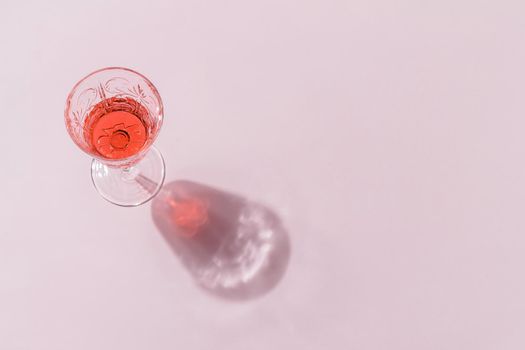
(233, 248)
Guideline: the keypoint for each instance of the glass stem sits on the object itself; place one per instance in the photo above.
(146, 183)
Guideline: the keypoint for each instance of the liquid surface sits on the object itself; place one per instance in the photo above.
(116, 128)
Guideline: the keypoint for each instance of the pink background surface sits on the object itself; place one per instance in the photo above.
(387, 135)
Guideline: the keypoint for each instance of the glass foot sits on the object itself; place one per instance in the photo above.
(129, 187)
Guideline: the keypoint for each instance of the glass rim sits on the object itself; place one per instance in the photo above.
(67, 110)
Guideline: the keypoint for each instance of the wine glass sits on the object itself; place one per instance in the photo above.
(114, 114)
